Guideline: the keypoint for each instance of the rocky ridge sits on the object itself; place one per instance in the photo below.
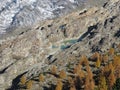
(58, 42)
(24, 13)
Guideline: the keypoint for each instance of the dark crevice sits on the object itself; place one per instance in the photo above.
(92, 34)
(101, 41)
(105, 23)
(117, 34)
(90, 29)
(49, 57)
(66, 47)
(42, 28)
(96, 49)
(50, 25)
(83, 12)
(52, 87)
(105, 4)
(21, 33)
(4, 70)
(53, 61)
(63, 29)
(112, 19)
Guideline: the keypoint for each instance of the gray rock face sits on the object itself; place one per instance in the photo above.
(57, 42)
(24, 13)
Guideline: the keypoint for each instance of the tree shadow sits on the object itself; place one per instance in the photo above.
(57, 76)
(15, 83)
(52, 87)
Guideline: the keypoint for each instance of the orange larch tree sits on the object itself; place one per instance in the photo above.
(112, 80)
(29, 84)
(54, 69)
(23, 80)
(59, 85)
(111, 51)
(62, 74)
(41, 77)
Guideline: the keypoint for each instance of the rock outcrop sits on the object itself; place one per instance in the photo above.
(57, 42)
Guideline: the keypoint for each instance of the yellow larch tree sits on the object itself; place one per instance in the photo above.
(98, 63)
(102, 83)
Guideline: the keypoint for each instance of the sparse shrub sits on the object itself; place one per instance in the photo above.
(41, 78)
(29, 84)
(23, 80)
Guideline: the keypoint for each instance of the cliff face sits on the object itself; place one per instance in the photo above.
(57, 42)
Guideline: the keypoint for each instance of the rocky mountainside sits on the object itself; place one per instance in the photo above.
(60, 41)
(24, 13)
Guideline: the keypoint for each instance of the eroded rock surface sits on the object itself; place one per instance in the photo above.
(57, 42)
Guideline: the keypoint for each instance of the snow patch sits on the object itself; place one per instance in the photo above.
(72, 1)
(20, 13)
